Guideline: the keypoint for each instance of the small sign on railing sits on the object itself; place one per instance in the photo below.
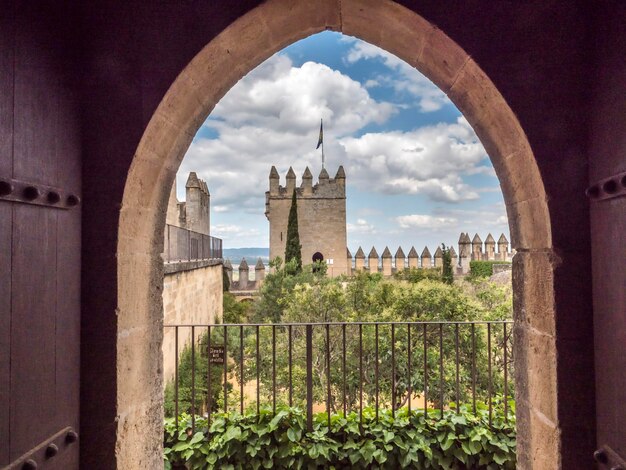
(216, 355)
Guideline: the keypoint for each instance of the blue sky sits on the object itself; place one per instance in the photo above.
(416, 173)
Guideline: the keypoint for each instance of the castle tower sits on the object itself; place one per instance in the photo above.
(400, 260)
(321, 217)
(477, 248)
(438, 257)
(386, 257)
(426, 258)
(503, 248)
(197, 205)
(413, 258)
(490, 248)
(244, 275)
(464, 253)
(359, 260)
(453, 257)
(229, 271)
(259, 273)
(372, 261)
(349, 261)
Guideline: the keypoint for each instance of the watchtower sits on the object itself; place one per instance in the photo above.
(321, 217)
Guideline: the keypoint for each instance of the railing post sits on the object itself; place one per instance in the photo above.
(309, 377)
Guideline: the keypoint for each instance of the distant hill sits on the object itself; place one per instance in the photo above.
(235, 255)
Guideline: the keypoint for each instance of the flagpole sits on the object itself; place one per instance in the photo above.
(321, 126)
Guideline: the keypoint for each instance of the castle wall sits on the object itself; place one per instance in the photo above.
(189, 297)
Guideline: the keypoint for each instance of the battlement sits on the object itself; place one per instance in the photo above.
(325, 188)
(469, 250)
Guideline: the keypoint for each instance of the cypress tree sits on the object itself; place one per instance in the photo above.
(446, 274)
(293, 247)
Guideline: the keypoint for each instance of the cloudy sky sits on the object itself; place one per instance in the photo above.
(415, 172)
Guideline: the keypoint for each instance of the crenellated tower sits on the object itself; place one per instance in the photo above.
(321, 217)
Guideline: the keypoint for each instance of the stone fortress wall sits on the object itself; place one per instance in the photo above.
(468, 250)
(388, 264)
(321, 216)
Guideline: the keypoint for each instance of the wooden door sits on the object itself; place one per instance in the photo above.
(39, 241)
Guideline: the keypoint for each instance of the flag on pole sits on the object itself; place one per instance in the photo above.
(320, 141)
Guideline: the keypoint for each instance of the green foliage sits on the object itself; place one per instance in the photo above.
(483, 268)
(278, 285)
(197, 358)
(447, 275)
(293, 249)
(234, 311)
(456, 441)
(415, 275)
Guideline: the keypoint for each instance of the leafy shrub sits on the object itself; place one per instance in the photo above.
(234, 441)
(415, 275)
(482, 268)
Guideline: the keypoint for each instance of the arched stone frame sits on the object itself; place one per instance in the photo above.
(243, 45)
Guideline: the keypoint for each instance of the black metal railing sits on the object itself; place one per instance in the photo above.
(186, 245)
(341, 367)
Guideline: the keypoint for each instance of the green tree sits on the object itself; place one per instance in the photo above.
(446, 274)
(293, 247)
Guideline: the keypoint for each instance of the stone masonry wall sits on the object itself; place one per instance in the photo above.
(191, 296)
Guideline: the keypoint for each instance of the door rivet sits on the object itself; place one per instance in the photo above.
(6, 188)
(30, 464)
(600, 456)
(71, 437)
(31, 193)
(51, 450)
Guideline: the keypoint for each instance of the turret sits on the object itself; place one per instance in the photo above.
(323, 178)
(400, 259)
(229, 271)
(274, 181)
(386, 259)
(477, 248)
(413, 258)
(197, 204)
(438, 257)
(259, 273)
(359, 260)
(490, 248)
(340, 178)
(349, 262)
(426, 258)
(372, 261)
(244, 273)
(453, 258)
(307, 183)
(464, 253)
(503, 248)
(291, 182)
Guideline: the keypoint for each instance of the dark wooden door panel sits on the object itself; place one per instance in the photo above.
(609, 223)
(33, 326)
(5, 328)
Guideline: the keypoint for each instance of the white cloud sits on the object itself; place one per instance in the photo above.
(360, 227)
(425, 221)
(406, 80)
(271, 117)
(429, 160)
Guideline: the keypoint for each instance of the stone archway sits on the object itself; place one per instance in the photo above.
(243, 45)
